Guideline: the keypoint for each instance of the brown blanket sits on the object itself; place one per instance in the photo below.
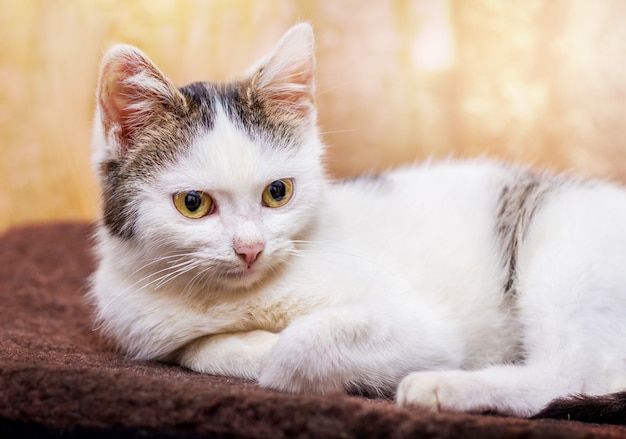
(58, 378)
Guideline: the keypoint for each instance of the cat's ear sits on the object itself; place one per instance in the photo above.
(286, 76)
(132, 95)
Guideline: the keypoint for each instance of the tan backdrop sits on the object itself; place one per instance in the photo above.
(542, 82)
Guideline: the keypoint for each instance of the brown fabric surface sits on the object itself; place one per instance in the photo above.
(55, 372)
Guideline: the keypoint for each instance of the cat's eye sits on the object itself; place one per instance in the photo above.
(193, 204)
(278, 193)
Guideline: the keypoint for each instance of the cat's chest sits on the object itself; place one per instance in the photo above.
(273, 317)
(271, 310)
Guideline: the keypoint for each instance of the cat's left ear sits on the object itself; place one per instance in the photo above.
(134, 98)
(286, 76)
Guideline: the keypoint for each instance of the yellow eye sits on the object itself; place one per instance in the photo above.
(278, 193)
(193, 204)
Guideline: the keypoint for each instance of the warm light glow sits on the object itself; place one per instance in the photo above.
(433, 49)
(541, 82)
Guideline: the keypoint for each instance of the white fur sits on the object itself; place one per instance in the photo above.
(370, 286)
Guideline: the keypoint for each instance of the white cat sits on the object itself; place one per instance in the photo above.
(467, 286)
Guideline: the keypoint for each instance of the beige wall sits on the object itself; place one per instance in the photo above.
(539, 81)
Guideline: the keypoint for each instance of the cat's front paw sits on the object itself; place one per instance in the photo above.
(437, 391)
(508, 390)
(237, 354)
(308, 357)
(422, 389)
(294, 368)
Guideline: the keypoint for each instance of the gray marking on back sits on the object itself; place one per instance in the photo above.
(518, 203)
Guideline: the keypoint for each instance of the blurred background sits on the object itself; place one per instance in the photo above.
(541, 82)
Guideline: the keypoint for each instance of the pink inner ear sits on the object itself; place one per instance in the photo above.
(286, 78)
(116, 99)
(132, 91)
(123, 102)
(292, 91)
(293, 100)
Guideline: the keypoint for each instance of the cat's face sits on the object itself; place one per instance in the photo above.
(210, 184)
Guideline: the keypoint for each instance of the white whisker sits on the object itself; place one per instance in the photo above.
(333, 88)
(196, 279)
(179, 270)
(177, 259)
(337, 131)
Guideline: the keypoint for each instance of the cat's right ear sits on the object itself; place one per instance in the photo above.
(285, 77)
(132, 94)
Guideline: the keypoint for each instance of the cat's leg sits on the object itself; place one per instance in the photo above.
(360, 347)
(577, 367)
(508, 389)
(571, 304)
(574, 344)
(239, 354)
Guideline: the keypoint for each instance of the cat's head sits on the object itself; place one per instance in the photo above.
(216, 178)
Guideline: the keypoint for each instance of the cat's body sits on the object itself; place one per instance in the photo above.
(472, 285)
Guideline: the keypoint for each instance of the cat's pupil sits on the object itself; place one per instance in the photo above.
(277, 190)
(193, 201)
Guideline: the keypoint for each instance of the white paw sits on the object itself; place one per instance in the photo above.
(299, 368)
(421, 389)
(452, 390)
(310, 357)
(239, 354)
(500, 389)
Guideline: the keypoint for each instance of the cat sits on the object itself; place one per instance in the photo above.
(460, 285)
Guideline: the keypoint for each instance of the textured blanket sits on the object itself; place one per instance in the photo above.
(59, 379)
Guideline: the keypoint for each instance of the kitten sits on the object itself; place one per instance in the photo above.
(460, 285)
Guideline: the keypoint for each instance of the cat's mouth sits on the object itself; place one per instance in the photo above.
(242, 276)
(241, 273)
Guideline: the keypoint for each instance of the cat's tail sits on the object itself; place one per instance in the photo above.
(606, 409)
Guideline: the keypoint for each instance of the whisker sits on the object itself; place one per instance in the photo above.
(338, 131)
(179, 270)
(157, 260)
(196, 279)
(130, 289)
(332, 88)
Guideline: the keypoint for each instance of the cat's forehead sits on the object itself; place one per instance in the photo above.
(225, 154)
(240, 103)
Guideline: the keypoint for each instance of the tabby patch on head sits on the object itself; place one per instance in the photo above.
(144, 124)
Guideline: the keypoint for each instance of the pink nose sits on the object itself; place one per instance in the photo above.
(249, 252)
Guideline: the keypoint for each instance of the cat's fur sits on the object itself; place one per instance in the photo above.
(461, 285)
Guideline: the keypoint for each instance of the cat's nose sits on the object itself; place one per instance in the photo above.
(249, 252)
